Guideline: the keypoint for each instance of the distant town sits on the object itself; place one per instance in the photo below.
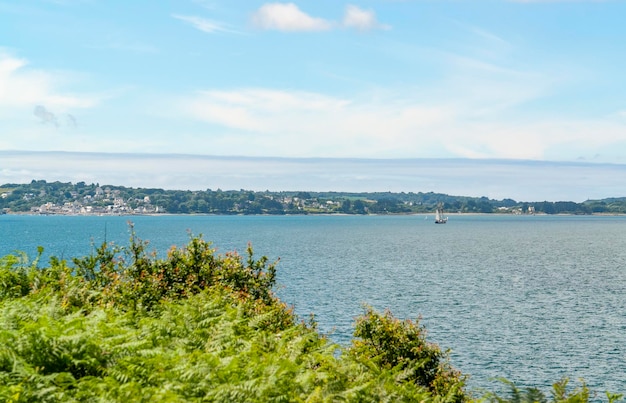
(58, 198)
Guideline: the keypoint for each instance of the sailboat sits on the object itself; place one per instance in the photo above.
(439, 218)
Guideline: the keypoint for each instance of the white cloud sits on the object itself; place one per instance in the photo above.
(362, 20)
(203, 24)
(21, 87)
(287, 17)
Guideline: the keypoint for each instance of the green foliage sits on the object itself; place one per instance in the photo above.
(204, 347)
(402, 345)
(123, 325)
(560, 394)
(17, 275)
(131, 278)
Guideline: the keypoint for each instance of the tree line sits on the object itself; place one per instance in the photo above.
(17, 198)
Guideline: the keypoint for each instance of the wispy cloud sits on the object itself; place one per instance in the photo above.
(289, 18)
(45, 115)
(490, 36)
(276, 122)
(204, 25)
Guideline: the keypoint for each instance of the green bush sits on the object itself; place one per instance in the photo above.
(401, 345)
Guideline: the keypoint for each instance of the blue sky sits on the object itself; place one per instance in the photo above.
(484, 80)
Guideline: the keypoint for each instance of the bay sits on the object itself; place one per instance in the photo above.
(529, 298)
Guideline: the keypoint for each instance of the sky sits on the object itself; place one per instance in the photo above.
(519, 96)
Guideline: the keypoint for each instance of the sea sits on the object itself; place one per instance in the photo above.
(532, 299)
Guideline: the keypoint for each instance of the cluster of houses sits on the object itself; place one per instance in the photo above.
(119, 207)
(516, 210)
(104, 202)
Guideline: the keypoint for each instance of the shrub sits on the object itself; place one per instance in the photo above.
(130, 278)
(402, 345)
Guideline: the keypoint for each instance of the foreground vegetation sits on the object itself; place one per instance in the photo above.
(66, 198)
(123, 325)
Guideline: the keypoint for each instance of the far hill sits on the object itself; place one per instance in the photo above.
(41, 197)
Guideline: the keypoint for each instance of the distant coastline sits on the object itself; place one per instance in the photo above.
(425, 215)
(57, 198)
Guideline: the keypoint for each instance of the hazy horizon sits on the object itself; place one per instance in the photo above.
(496, 179)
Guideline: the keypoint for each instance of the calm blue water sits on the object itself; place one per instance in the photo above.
(532, 298)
